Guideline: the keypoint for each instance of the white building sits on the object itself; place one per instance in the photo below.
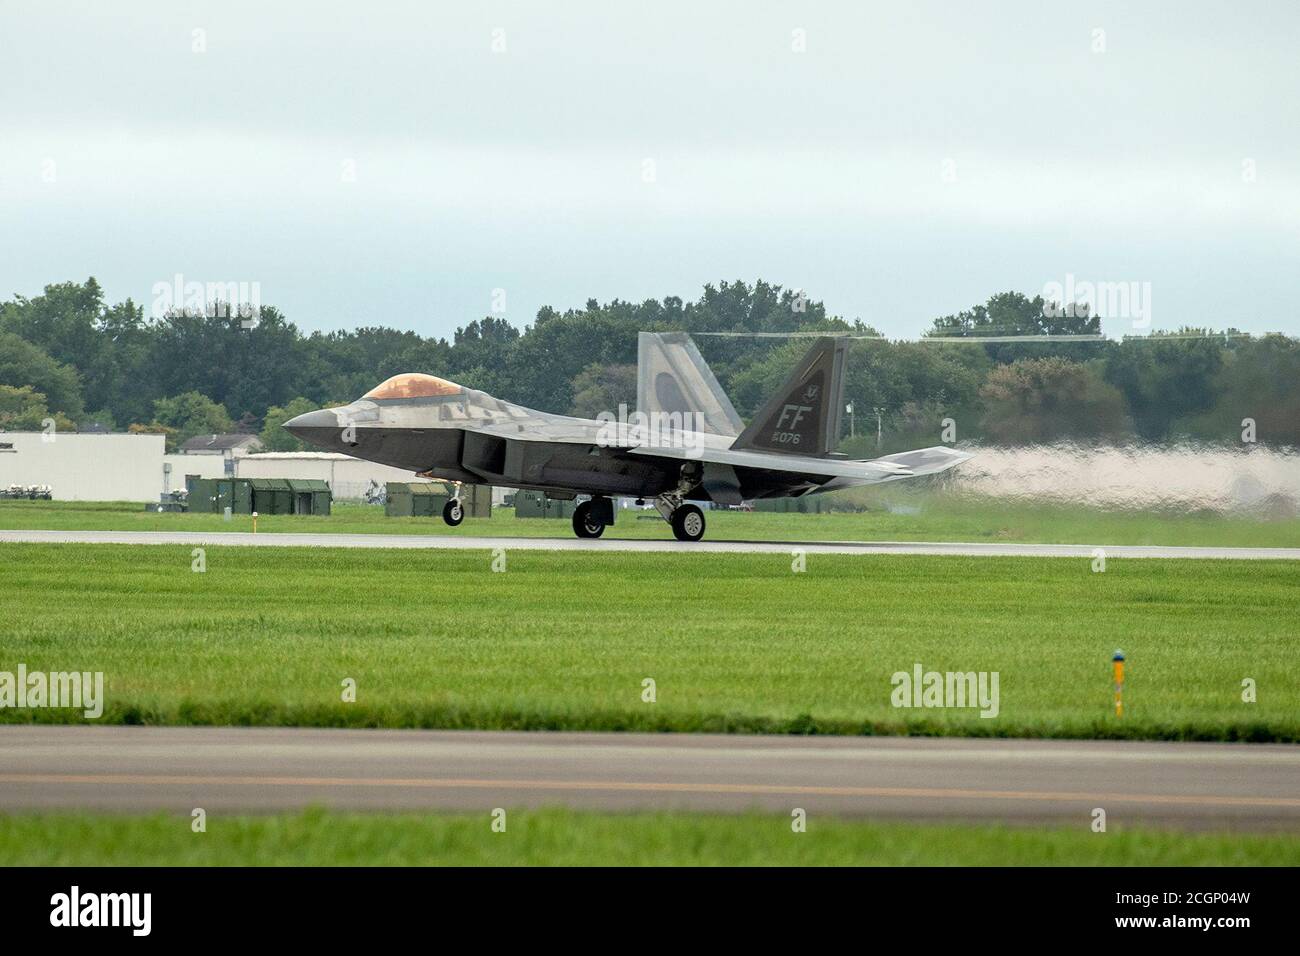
(123, 467)
(176, 467)
(84, 466)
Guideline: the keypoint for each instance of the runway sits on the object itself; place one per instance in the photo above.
(645, 545)
(175, 769)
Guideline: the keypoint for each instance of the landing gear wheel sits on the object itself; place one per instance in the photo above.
(688, 523)
(453, 512)
(584, 525)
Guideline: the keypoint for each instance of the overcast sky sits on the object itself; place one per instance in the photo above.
(395, 163)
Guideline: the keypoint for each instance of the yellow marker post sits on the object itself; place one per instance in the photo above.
(1119, 683)
(254, 522)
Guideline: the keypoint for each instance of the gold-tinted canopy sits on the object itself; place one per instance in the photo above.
(413, 385)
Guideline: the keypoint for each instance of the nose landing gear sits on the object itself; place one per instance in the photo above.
(453, 512)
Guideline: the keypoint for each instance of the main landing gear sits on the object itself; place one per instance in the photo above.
(686, 520)
(584, 525)
(688, 523)
(591, 517)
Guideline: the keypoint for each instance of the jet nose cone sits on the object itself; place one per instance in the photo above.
(318, 427)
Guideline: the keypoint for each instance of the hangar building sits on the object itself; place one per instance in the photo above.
(86, 466)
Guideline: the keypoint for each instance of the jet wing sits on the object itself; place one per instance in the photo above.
(794, 464)
(907, 464)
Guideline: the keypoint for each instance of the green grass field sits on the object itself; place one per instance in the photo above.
(734, 642)
(938, 519)
(562, 838)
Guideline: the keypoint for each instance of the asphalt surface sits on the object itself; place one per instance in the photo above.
(460, 542)
(175, 769)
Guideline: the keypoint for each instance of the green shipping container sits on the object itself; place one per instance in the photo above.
(271, 496)
(311, 496)
(397, 499)
(428, 499)
(241, 496)
(530, 504)
(215, 495)
(202, 494)
(420, 499)
(477, 500)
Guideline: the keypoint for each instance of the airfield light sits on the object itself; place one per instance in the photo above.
(1119, 682)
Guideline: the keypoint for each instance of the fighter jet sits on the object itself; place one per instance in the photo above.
(683, 444)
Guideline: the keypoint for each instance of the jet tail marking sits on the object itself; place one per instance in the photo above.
(803, 416)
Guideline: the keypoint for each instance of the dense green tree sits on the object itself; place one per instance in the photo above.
(118, 375)
(602, 388)
(64, 321)
(1166, 377)
(1045, 400)
(25, 363)
(108, 346)
(190, 414)
(101, 420)
(1010, 314)
(247, 367)
(1259, 380)
(916, 385)
(23, 409)
(79, 352)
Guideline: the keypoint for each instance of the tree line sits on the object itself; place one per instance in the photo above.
(70, 356)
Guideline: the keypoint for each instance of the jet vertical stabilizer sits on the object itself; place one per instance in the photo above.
(672, 377)
(803, 417)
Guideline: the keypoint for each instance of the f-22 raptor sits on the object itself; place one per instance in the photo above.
(684, 443)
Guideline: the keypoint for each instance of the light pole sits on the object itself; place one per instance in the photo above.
(852, 431)
(879, 425)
